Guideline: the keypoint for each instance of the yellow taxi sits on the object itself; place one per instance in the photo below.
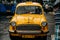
(28, 21)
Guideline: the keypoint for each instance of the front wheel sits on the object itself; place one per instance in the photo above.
(15, 38)
(42, 38)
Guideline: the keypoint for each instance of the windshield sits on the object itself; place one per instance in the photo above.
(28, 9)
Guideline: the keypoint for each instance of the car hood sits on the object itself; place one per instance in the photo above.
(28, 19)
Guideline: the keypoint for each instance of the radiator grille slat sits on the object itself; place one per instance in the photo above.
(28, 27)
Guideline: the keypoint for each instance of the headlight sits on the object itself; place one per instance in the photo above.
(44, 23)
(13, 24)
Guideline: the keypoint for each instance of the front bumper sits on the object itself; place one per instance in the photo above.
(28, 32)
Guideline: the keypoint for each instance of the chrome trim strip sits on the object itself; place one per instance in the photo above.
(29, 31)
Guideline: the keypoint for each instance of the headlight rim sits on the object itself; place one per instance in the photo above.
(12, 24)
(44, 25)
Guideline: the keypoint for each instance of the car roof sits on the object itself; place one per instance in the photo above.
(29, 3)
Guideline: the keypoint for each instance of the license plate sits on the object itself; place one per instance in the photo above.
(28, 36)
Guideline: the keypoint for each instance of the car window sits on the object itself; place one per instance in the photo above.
(28, 9)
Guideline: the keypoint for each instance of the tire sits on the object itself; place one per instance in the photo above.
(42, 38)
(49, 37)
(15, 38)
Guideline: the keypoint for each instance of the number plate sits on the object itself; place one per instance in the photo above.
(28, 36)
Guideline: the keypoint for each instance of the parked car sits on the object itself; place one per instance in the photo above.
(28, 21)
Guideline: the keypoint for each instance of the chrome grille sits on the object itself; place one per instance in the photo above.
(28, 27)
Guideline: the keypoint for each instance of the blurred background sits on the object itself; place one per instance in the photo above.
(52, 13)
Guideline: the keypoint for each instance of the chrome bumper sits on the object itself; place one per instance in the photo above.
(29, 32)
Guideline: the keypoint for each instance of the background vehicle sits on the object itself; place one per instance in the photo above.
(7, 7)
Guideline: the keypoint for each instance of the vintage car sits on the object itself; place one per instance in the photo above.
(28, 21)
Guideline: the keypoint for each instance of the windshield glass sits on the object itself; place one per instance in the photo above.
(28, 9)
